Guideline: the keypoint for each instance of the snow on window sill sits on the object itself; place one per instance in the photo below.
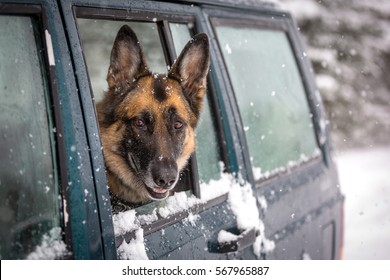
(291, 165)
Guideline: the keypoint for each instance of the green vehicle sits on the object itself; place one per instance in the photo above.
(261, 184)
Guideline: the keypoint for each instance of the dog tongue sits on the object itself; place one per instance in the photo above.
(159, 190)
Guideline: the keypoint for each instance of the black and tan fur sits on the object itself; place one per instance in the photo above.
(147, 121)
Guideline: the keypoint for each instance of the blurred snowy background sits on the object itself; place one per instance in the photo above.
(348, 43)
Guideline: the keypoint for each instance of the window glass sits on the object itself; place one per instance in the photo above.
(29, 197)
(207, 148)
(98, 38)
(270, 95)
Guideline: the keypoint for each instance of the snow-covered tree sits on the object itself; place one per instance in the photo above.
(349, 45)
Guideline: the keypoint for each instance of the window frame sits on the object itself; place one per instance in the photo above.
(278, 21)
(166, 40)
(164, 13)
(38, 12)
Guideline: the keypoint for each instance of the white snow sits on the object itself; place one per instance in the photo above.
(148, 218)
(51, 247)
(225, 236)
(303, 8)
(365, 181)
(258, 174)
(243, 205)
(228, 49)
(177, 203)
(263, 202)
(327, 83)
(215, 188)
(135, 249)
(125, 222)
(191, 219)
(306, 256)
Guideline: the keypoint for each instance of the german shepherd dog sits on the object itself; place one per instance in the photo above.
(147, 120)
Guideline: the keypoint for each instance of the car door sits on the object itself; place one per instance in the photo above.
(283, 131)
(50, 206)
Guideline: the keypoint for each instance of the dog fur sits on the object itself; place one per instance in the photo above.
(147, 121)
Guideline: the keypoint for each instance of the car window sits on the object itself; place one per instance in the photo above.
(97, 47)
(29, 194)
(270, 95)
(207, 147)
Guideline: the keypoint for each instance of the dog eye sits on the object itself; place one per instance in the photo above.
(139, 123)
(178, 125)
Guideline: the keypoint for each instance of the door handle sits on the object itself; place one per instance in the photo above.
(242, 241)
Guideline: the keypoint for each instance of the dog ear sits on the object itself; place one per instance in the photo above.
(191, 68)
(127, 62)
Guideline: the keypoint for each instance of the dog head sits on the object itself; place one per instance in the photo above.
(147, 121)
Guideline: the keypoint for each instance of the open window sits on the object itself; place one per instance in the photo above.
(162, 38)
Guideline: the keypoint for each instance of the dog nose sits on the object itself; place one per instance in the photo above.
(164, 182)
(164, 173)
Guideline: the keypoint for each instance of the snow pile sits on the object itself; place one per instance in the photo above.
(52, 247)
(243, 204)
(225, 236)
(216, 188)
(177, 203)
(135, 249)
(126, 222)
(148, 219)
